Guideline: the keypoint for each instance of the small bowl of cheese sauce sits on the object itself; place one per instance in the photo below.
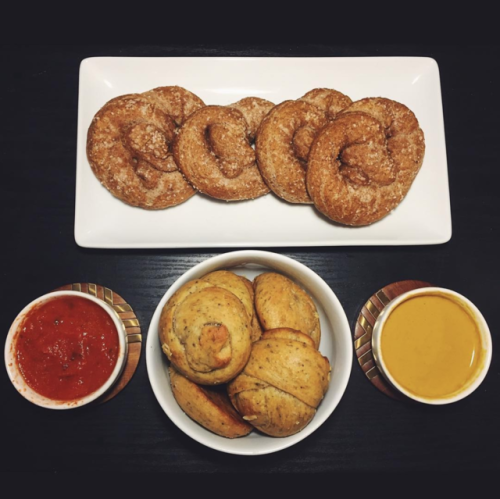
(433, 345)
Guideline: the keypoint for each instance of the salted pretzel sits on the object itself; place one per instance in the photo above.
(129, 146)
(330, 101)
(282, 147)
(254, 109)
(177, 102)
(362, 165)
(214, 153)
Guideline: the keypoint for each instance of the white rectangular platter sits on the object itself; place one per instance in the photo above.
(424, 217)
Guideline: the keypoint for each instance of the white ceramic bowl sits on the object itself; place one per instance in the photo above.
(483, 330)
(17, 378)
(336, 344)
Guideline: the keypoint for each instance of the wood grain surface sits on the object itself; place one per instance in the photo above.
(368, 431)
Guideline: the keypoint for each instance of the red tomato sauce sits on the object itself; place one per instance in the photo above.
(67, 348)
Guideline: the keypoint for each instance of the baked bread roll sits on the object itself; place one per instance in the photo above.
(129, 146)
(282, 147)
(282, 384)
(205, 332)
(233, 283)
(281, 303)
(256, 329)
(213, 151)
(207, 406)
(362, 165)
(243, 289)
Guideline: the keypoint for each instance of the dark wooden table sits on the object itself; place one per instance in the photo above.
(368, 431)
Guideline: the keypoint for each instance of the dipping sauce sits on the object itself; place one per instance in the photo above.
(66, 348)
(431, 346)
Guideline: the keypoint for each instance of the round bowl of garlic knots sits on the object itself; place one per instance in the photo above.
(249, 352)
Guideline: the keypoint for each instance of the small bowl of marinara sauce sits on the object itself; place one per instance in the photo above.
(65, 349)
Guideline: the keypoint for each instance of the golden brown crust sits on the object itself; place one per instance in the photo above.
(256, 328)
(213, 152)
(292, 366)
(249, 285)
(254, 109)
(282, 147)
(330, 101)
(362, 165)
(271, 410)
(207, 406)
(287, 333)
(256, 331)
(205, 333)
(282, 384)
(233, 283)
(243, 289)
(177, 102)
(129, 149)
(280, 303)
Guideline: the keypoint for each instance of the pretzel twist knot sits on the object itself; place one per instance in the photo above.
(213, 151)
(282, 145)
(362, 165)
(285, 137)
(129, 146)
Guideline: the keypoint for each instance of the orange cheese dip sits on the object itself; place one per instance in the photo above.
(431, 346)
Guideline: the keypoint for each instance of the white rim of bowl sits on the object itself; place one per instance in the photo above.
(483, 331)
(36, 398)
(237, 258)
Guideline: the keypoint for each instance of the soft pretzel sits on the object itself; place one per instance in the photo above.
(282, 147)
(362, 165)
(213, 151)
(254, 109)
(329, 100)
(177, 102)
(205, 332)
(129, 147)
